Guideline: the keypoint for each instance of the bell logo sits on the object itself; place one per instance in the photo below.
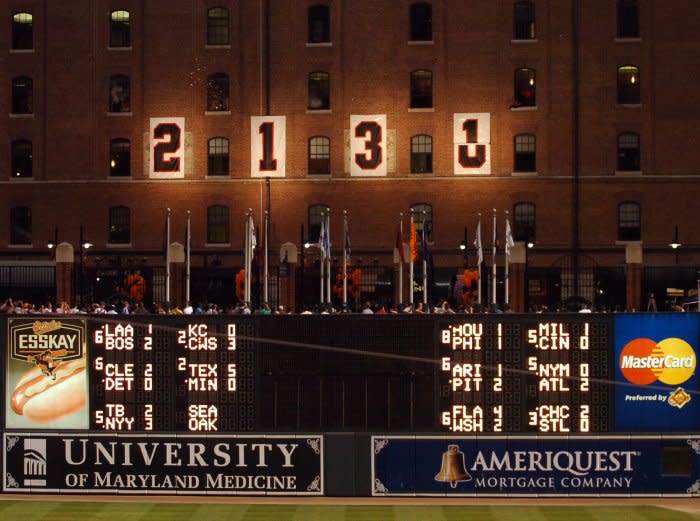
(644, 361)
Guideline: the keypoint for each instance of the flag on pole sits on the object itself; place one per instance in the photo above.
(399, 245)
(413, 241)
(346, 242)
(253, 240)
(424, 243)
(478, 245)
(509, 238)
(327, 238)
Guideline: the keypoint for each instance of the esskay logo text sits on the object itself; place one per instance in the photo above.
(644, 361)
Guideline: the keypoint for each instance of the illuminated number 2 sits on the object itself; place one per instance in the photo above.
(268, 162)
(372, 145)
(470, 126)
(170, 147)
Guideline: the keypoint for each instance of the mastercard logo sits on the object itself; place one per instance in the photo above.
(644, 361)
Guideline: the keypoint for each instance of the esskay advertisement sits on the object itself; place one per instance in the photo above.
(520, 465)
(46, 374)
(656, 380)
(163, 464)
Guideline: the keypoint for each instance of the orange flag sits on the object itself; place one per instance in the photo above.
(413, 242)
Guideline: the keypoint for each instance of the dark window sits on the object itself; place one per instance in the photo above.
(524, 154)
(524, 222)
(217, 26)
(628, 85)
(525, 88)
(627, 19)
(20, 225)
(319, 24)
(217, 92)
(319, 155)
(319, 91)
(316, 213)
(120, 29)
(629, 222)
(119, 94)
(119, 225)
(421, 89)
(628, 152)
(21, 158)
(524, 19)
(22, 95)
(120, 157)
(22, 31)
(423, 213)
(421, 154)
(218, 157)
(217, 225)
(421, 22)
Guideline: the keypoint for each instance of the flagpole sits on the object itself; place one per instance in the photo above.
(410, 268)
(322, 264)
(345, 258)
(328, 257)
(424, 251)
(167, 258)
(493, 262)
(400, 245)
(507, 253)
(265, 244)
(246, 258)
(187, 260)
(479, 255)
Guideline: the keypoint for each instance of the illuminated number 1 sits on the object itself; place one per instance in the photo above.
(372, 145)
(470, 126)
(172, 146)
(267, 130)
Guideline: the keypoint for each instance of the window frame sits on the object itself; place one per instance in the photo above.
(319, 88)
(525, 153)
(218, 157)
(420, 22)
(20, 221)
(422, 154)
(630, 161)
(628, 20)
(218, 26)
(525, 87)
(416, 210)
(524, 20)
(319, 155)
(119, 157)
(421, 89)
(525, 221)
(218, 224)
(119, 103)
(628, 85)
(119, 29)
(22, 95)
(21, 163)
(119, 231)
(318, 24)
(19, 34)
(218, 92)
(629, 221)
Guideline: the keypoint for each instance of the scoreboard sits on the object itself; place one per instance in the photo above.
(555, 374)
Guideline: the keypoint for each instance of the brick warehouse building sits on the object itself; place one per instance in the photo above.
(575, 116)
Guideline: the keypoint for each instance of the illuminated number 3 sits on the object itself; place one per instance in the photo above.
(372, 145)
(172, 146)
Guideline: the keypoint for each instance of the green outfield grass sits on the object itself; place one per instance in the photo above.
(81, 511)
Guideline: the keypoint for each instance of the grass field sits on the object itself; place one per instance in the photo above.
(108, 511)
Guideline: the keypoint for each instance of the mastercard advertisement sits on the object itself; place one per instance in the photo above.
(656, 382)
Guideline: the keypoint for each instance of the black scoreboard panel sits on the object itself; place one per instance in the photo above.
(540, 374)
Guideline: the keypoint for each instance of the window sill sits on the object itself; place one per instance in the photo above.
(427, 109)
(524, 174)
(214, 47)
(118, 49)
(625, 243)
(218, 177)
(628, 173)
(119, 245)
(20, 246)
(21, 178)
(319, 111)
(418, 43)
(217, 112)
(636, 39)
(21, 116)
(523, 40)
(523, 109)
(319, 44)
(21, 51)
(217, 244)
(629, 105)
(119, 114)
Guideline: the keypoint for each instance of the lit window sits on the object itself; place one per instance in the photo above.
(524, 19)
(21, 158)
(628, 85)
(319, 91)
(627, 19)
(525, 158)
(119, 225)
(525, 88)
(421, 89)
(217, 224)
(119, 157)
(524, 223)
(421, 154)
(21, 225)
(22, 95)
(217, 26)
(628, 152)
(319, 24)
(319, 155)
(218, 157)
(217, 92)
(120, 29)
(119, 94)
(421, 22)
(22, 31)
(629, 222)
